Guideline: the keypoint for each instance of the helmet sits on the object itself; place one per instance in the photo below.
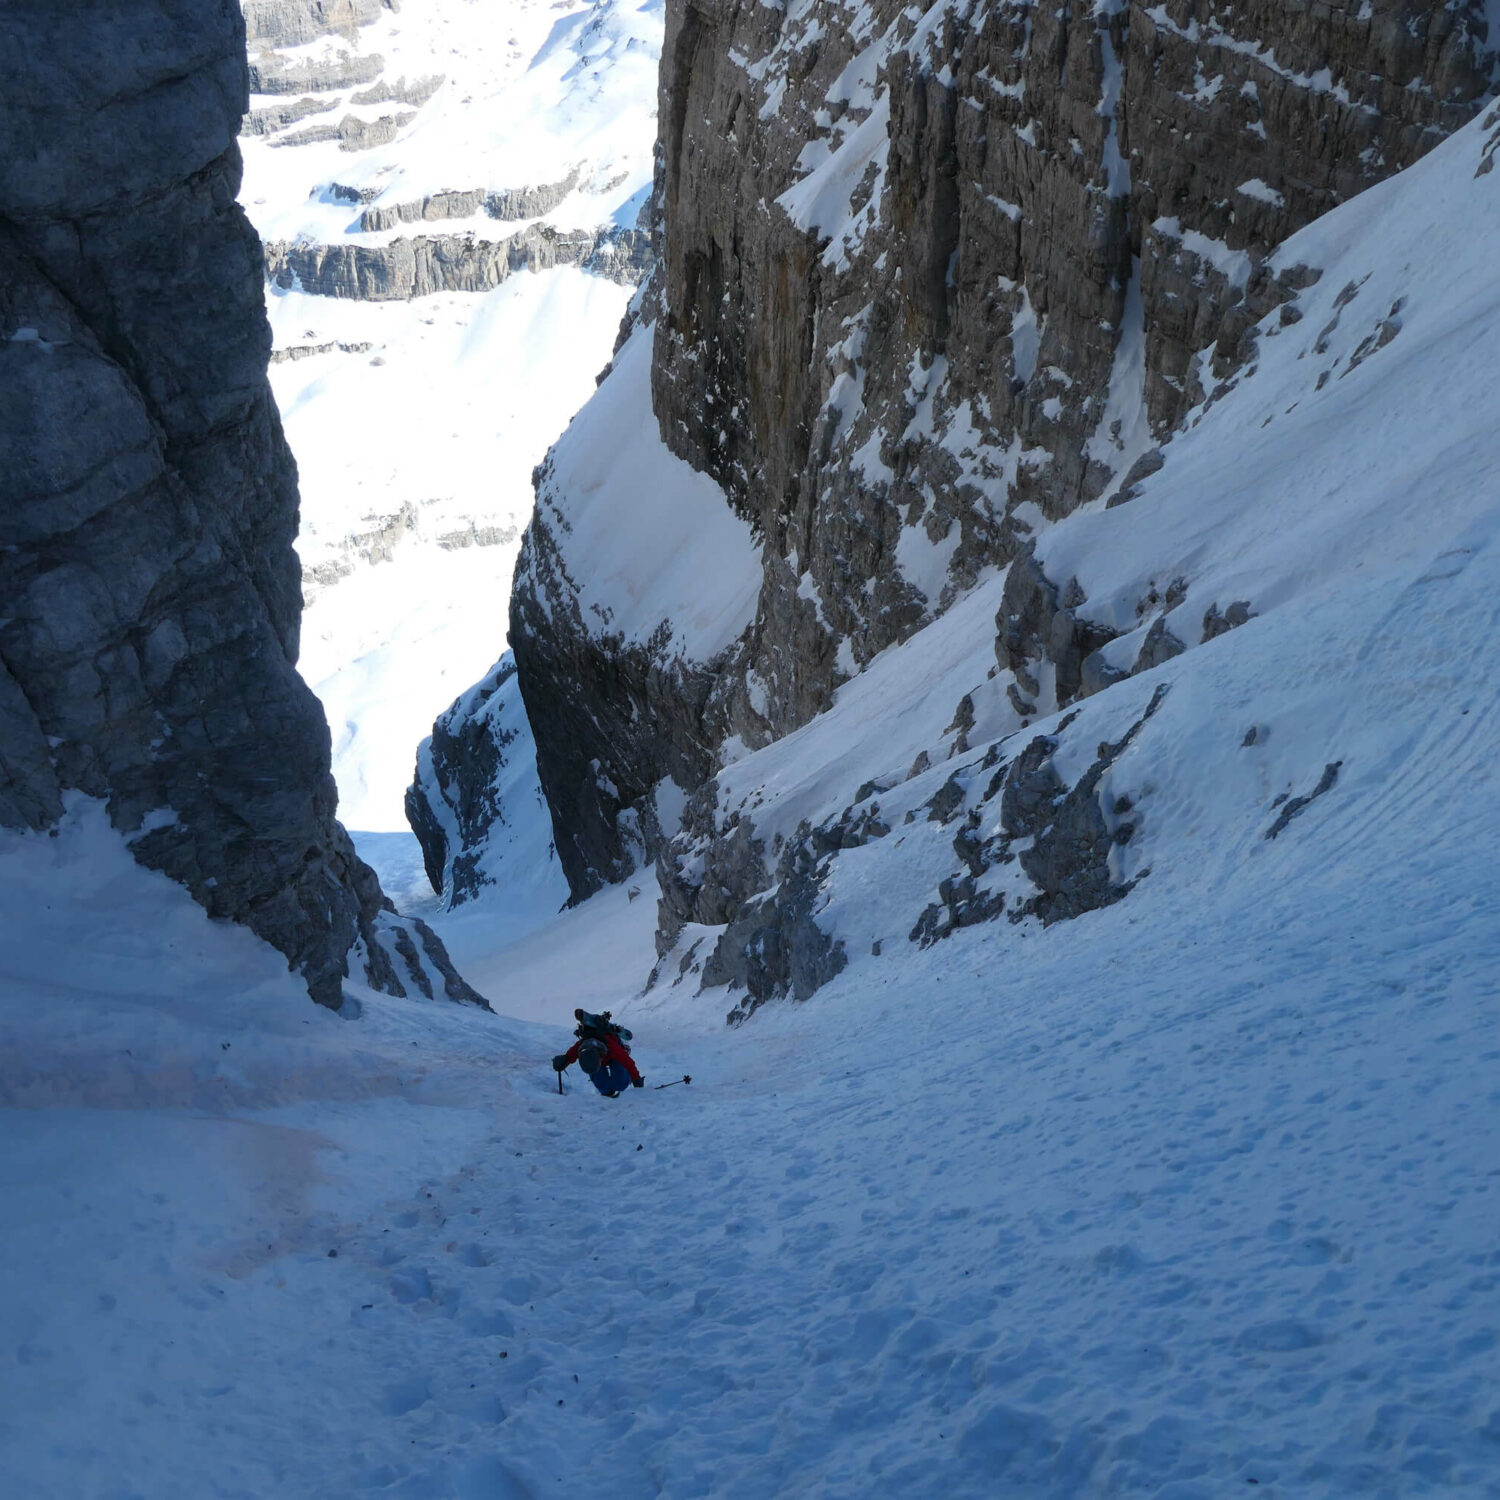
(591, 1054)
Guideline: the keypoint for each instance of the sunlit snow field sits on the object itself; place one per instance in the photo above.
(428, 436)
(470, 391)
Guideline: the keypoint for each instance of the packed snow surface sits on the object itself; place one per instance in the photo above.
(1192, 1192)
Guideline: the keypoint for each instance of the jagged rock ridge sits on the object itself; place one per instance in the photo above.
(147, 654)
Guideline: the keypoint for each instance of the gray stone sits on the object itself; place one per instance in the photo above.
(352, 133)
(1071, 838)
(1216, 624)
(1033, 625)
(1159, 646)
(148, 501)
(270, 73)
(408, 268)
(1293, 806)
(456, 786)
(293, 352)
(279, 116)
(1142, 469)
(424, 210)
(1095, 674)
(773, 947)
(947, 802)
(416, 93)
(516, 203)
(293, 23)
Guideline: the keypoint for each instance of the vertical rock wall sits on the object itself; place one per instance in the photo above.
(922, 268)
(151, 593)
(928, 278)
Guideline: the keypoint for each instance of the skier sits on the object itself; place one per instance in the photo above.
(601, 1052)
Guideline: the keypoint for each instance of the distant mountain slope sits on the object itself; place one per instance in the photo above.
(451, 194)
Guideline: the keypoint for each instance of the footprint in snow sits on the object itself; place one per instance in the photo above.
(405, 1396)
(1284, 1336)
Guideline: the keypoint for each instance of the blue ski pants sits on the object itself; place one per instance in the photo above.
(611, 1079)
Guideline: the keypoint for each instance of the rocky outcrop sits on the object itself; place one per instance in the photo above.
(293, 352)
(475, 804)
(926, 275)
(416, 93)
(383, 534)
(1028, 842)
(152, 605)
(516, 203)
(408, 268)
(280, 116)
(455, 803)
(1039, 624)
(1056, 654)
(351, 133)
(273, 74)
(773, 946)
(376, 544)
(291, 23)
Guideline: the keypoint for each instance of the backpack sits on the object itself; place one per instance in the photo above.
(600, 1026)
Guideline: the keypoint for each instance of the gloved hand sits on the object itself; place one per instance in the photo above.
(559, 1062)
(639, 1083)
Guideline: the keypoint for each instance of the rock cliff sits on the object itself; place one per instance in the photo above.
(152, 603)
(927, 281)
(922, 273)
(407, 268)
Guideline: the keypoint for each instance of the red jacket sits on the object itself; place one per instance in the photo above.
(618, 1052)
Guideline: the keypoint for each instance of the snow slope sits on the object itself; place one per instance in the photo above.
(532, 89)
(469, 392)
(1190, 1195)
(1146, 1205)
(662, 557)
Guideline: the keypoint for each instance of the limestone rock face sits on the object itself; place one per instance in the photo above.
(152, 600)
(454, 802)
(926, 279)
(407, 268)
(516, 203)
(290, 23)
(270, 73)
(919, 271)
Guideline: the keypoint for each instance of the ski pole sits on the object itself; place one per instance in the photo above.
(686, 1078)
(559, 1081)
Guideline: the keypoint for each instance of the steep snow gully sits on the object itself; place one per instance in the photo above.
(1192, 1196)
